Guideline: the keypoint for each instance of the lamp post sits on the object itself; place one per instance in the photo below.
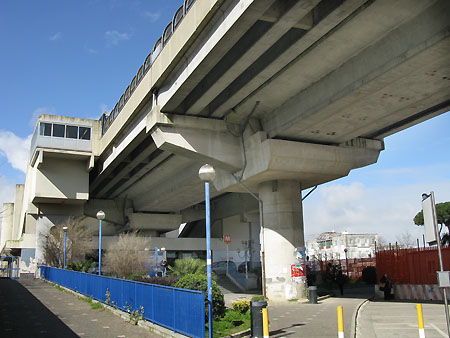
(100, 217)
(65, 239)
(207, 174)
(346, 260)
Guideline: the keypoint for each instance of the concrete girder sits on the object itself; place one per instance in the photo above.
(112, 159)
(286, 15)
(126, 171)
(172, 186)
(201, 139)
(159, 159)
(330, 97)
(158, 222)
(312, 164)
(228, 26)
(247, 86)
(114, 209)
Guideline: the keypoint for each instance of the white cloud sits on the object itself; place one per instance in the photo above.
(114, 37)
(6, 191)
(386, 210)
(151, 16)
(56, 36)
(90, 50)
(15, 149)
(36, 113)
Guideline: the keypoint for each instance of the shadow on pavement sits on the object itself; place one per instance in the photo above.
(23, 315)
(283, 330)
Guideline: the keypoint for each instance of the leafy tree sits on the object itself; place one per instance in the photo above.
(186, 266)
(199, 282)
(443, 216)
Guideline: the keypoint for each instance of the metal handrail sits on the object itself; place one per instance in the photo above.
(149, 60)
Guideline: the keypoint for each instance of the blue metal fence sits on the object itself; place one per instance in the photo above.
(180, 310)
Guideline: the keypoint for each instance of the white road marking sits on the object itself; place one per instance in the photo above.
(438, 330)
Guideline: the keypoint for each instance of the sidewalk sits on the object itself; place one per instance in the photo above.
(398, 319)
(33, 308)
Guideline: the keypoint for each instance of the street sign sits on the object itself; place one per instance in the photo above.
(227, 239)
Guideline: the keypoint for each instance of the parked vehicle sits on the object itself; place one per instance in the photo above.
(220, 268)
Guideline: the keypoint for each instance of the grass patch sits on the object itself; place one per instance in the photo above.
(232, 322)
(96, 306)
(59, 288)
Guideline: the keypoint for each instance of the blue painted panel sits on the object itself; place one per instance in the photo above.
(177, 309)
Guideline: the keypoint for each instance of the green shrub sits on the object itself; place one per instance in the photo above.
(241, 307)
(166, 281)
(187, 266)
(369, 275)
(199, 282)
(82, 266)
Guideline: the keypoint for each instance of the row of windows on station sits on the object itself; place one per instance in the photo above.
(64, 130)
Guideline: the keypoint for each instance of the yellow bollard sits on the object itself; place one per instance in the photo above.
(340, 315)
(420, 320)
(265, 315)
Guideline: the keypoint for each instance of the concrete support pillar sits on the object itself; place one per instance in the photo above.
(283, 234)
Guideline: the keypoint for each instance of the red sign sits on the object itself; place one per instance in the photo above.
(297, 270)
(227, 239)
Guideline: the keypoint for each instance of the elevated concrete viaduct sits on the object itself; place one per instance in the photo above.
(277, 95)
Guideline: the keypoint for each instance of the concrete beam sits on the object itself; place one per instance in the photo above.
(257, 41)
(158, 222)
(156, 161)
(312, 164)
(217, 38)
(320, 101)
(322, 25)
(201, 139)
(114, 209)
(124, 172)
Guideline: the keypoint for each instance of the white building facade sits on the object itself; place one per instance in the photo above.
(331, 246)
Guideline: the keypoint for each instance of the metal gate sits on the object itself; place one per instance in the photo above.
(9, 267)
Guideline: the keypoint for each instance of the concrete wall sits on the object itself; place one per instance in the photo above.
(52, 179)
(7, 223)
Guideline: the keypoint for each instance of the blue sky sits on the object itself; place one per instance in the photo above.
(76, 58)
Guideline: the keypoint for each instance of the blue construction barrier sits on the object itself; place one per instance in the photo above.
(180, 310)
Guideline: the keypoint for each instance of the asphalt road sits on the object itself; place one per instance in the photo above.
(315, 320)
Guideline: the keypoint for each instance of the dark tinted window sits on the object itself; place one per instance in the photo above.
(45, 129)
(72, 132)
(85, 133)
(58, 130)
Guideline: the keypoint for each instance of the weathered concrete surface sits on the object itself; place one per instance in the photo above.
(282, 235)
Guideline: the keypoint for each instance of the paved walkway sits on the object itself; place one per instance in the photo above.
(33, 308)
(397, 319)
